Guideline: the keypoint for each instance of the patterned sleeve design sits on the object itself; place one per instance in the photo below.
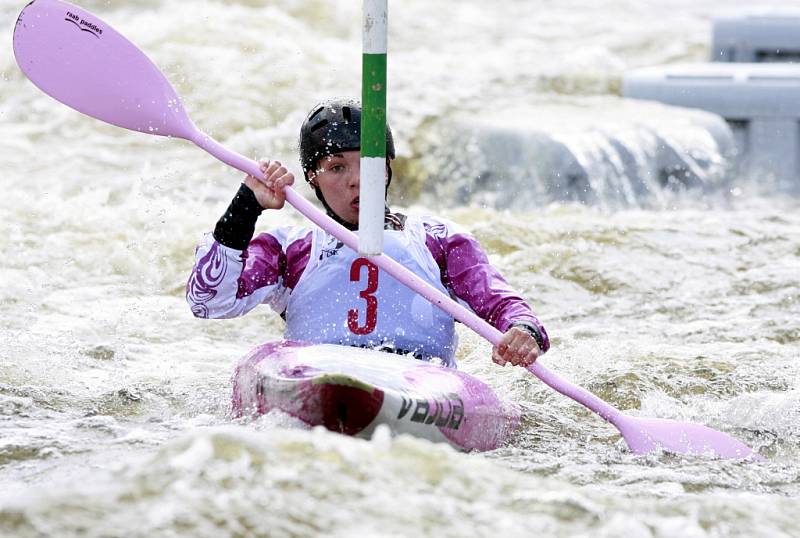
(226, 282)
(208, 273)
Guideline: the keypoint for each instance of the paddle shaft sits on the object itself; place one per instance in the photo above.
(406, 277)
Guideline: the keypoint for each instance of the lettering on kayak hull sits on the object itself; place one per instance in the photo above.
(432, 411)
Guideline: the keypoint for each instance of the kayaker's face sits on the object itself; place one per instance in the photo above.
(338, 176)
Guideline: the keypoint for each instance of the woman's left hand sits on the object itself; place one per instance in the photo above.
(518, 347)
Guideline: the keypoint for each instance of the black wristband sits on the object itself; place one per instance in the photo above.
(236, 227)
(531, 329)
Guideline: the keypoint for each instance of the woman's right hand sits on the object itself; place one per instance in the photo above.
(269, 190)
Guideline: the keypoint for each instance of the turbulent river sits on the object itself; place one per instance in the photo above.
(668, 302)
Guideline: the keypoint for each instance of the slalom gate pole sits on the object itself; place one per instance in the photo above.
(373, 128)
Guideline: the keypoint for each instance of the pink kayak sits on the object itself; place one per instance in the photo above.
(352, 390)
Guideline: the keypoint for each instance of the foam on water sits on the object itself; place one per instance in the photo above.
(234, 481)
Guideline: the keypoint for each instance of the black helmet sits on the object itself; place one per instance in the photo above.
(331, 127)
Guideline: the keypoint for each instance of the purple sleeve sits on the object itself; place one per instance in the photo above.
(267, 262)
(226, 282)
(264, 263)
(466, 271)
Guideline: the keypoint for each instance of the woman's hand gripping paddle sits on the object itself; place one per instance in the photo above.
(78, 59)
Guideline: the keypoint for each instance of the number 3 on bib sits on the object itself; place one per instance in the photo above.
(367, 295)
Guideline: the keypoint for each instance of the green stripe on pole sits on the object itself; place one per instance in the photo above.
(373, 105)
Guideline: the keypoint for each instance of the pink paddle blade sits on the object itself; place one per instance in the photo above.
(80, 60)
(645, 435)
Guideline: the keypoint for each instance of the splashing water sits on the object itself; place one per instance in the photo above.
(669, 286)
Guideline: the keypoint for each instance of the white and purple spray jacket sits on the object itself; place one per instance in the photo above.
(328, 294)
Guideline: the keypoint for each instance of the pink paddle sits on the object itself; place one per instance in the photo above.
(78, 59)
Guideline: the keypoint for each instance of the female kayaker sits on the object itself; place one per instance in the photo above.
(324, 290)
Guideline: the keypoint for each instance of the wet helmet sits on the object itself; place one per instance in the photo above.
(334, 126)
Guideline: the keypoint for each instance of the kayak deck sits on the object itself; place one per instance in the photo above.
(352, 390)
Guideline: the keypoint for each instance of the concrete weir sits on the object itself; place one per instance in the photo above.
(625, 153)
(758, 100)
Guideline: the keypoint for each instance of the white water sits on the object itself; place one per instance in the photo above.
(681, 305)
